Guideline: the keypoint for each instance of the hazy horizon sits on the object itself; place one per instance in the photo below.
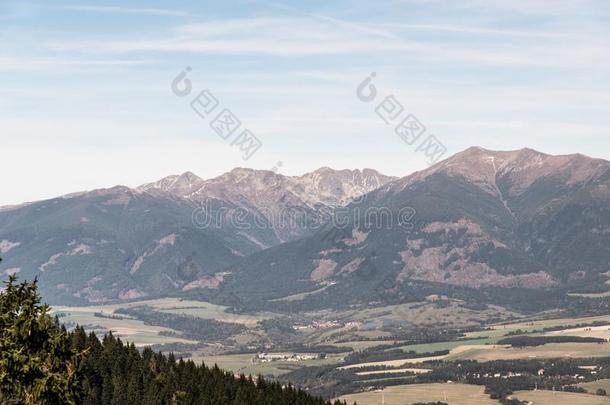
(277, 170)
(87, 100)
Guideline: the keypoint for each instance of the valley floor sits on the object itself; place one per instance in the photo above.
(376, 357)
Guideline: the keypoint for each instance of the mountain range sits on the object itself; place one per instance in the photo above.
(476, 222)
(167, 236)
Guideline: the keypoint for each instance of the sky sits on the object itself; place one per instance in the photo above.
(86, 97)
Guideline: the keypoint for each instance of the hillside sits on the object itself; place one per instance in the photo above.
(172, 235)
(477, 221)
(44, 364)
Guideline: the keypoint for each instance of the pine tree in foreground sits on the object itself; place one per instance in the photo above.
(41, 363)
(37, 365)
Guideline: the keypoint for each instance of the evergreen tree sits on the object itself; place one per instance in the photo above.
(36, 363)
(39, 365)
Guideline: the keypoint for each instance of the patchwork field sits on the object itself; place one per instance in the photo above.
(552, 350)
(560, 398)
(396, 371)
(539, 324)
(454, 394)
(437, 347)
(591, 387)
(362, 345)
(140, 334)
(392, 363)
(456, 353)
(481, 345)
(204, 310)
(244, 364)
(131, 330)
(602, 332)
(428, 313)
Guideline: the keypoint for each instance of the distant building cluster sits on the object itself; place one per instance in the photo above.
(290, 357)
(328, 325)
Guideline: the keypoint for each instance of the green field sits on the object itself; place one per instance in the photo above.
(552, 350)
(396, 371)
(429, 314)
(454, 394)
(498, 332)
(364, 344)
(140, 334)
(131, 330)
(560, 398)
(426, 313)
(480, 345)
(543, 323)
(437, 347)
(200, 309)
(591, 387)
(244, 364)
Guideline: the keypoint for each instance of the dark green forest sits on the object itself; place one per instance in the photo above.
(43, 363)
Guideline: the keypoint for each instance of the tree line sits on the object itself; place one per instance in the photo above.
(43, 363)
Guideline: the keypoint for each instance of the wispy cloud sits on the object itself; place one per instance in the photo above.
(83, 84)
(280, 36)
(121, 10)
(19, 63)
(356, 26)
(484, 31)
(557, 8)
(258, 35)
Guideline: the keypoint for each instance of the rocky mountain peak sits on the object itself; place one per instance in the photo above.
(338, 187)
(322, 186)
(180, 185)
(518, 168)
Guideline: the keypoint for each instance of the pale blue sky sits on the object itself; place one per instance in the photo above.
(85, 97)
